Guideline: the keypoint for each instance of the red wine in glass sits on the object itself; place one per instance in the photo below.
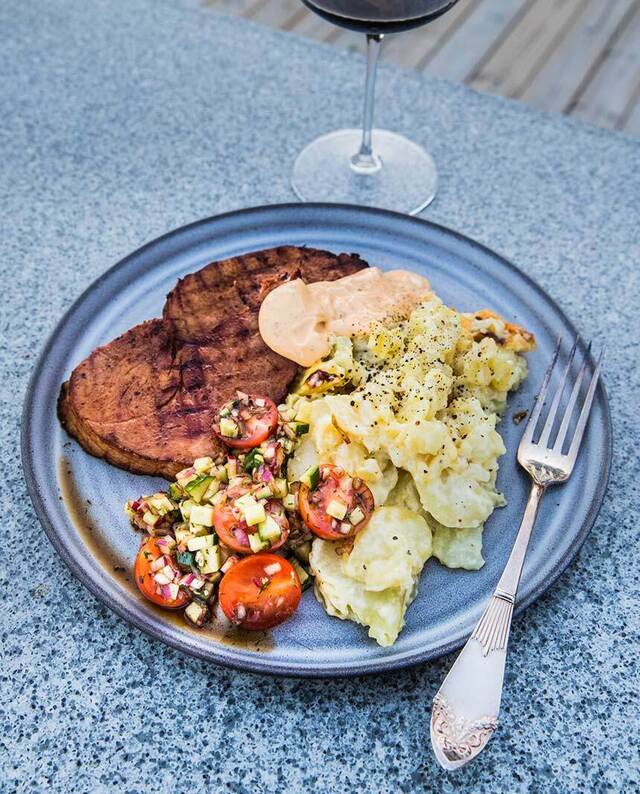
(379, 16)
(376, 168)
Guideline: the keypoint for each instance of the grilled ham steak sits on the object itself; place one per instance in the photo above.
(146, 401)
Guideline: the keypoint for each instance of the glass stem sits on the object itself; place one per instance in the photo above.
(365, 161)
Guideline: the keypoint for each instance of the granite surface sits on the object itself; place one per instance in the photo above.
(122, 119)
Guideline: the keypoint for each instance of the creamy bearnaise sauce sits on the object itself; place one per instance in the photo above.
(298, 319)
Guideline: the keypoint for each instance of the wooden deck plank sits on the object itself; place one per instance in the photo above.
(632, 123)
(466, 48)
(277, 14)
(308, 24)
(608, 98)
(239, 8)
(409, 49)
(533, 39)
(565, 74)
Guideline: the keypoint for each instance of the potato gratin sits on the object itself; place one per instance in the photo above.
(410, 409)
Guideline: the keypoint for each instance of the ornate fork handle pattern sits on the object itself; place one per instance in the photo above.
(459, 739)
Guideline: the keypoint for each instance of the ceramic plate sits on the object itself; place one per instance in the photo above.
(90, 532)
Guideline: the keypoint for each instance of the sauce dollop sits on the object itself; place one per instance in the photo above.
(298, 319)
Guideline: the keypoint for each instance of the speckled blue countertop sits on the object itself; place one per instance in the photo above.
(122, 119)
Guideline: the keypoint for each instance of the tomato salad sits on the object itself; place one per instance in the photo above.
(210, 538)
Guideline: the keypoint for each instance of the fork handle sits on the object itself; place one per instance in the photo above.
(466, 707)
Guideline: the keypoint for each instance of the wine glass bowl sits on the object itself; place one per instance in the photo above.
(379, 16)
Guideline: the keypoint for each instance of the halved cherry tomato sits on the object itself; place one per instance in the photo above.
(259, 592)
(232, 529)
(335, 485)
(144, 575)
(254, 420)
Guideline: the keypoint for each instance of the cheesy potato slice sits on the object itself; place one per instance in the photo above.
(375, 583)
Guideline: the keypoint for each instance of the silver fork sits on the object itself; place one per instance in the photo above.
(466, 707)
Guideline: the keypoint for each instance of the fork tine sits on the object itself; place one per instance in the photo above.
(568, 413)
(537, 406)
(584, 413)
(553, 410)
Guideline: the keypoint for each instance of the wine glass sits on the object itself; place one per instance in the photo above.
(376, 168)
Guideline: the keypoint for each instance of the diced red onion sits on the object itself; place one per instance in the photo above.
(158, 563)
(169, 572)
(169, 591)
(187, 579)
(241, 536)
(229, 563)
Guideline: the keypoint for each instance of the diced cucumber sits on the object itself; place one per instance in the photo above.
(150, 518)
(303, 551)
(203, 542)
(303, 575)
(264, 493)
(302, 428)
(182, 535)
(202, 514)
(311, 477)
(336, 509)
(269, 529)
(185, 560)
(209, 559)
(185, 476)
(211, 491)
(356, 516)
(221, 474)
(256, 543)
(289, 502)
(228, 427)
(202, 465)
(252, 511)
(196, 613)
(160, 503)
(197, 530)
(253, 459)
(185, 508)
(198, 487)
(208, 588)
(280, 488)
(175, 492)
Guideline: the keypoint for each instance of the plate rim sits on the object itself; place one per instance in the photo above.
(224, 655)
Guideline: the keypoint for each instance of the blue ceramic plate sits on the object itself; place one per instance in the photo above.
(90, 532)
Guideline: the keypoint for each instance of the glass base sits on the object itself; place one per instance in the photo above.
(405, 179)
